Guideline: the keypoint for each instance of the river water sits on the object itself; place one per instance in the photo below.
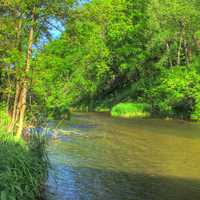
(103, 158)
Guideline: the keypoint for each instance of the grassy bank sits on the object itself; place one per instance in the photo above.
(22, 165)
(131, 110)
(22, 168)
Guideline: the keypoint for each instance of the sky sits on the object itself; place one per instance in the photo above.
(56, 29)
(57, 33)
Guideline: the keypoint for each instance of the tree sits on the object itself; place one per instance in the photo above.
(34, 19)
(103, 48)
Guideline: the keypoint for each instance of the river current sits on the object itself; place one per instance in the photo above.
(96, 157)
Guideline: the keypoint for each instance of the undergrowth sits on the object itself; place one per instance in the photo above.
(23, 164)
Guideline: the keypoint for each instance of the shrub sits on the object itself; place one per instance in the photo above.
(131, 110)
(175, 96)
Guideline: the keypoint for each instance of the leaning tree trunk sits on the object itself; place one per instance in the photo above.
(14, 117)
(23, 95)
(14, 111)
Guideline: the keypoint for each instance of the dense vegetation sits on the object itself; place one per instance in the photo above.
(22, 171)
(23, 24)
(22, 164)
(108, 52)
(123, 51)
(24, 27)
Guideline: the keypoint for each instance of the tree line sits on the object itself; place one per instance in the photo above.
(144, 51)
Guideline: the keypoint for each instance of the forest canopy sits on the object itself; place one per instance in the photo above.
(116, 51)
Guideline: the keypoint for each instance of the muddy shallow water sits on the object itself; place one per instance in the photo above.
(103, 158)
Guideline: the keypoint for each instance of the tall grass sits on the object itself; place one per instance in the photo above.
(131, 110)
(22, 165)
(4, 118)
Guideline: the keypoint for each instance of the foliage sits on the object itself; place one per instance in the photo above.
(4, 118)
(121, 51)
(110, 51)
(23, 165)
(22, 168)
(174, 95)
(131, 110)
(95, 52)
(33, 21)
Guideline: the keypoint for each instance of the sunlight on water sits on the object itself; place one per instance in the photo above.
(101, 158)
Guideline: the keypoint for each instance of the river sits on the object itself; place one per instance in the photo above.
(104, 158)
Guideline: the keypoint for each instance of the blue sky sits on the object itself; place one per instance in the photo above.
(57, 33)
(57, 30)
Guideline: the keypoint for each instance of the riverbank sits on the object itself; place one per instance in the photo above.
(23, 164)
(22, 168)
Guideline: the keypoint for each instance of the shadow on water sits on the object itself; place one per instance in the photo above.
(99, 184)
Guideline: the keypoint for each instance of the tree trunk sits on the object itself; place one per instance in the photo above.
(168, 51)
(8, 101)
(23, 95)
(186, 52)
(9, 91)
(14, 118)
(179, 50)
(190, 54)
(15, 108)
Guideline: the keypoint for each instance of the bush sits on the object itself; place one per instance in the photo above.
(175, 96)
(131, 110)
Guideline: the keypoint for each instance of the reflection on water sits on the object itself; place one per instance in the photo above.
(101, 158)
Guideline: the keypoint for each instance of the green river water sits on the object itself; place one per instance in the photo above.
(104, 158)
